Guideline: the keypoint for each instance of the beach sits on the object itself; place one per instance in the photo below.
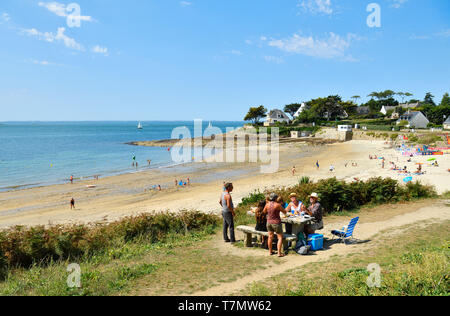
(123, 195)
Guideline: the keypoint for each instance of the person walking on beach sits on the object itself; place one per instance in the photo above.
(228, 214)
(294, 170)
(72, 204)
(71, 179)
(317, 164)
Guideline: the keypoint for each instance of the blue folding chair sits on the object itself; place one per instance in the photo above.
(347, 231)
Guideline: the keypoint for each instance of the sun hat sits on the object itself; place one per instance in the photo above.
(293, 195)
(314, 195)
(273, 197)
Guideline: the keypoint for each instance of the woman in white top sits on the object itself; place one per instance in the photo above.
(296, 206)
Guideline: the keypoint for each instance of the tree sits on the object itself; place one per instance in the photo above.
(255, 114)
(429, 99)
(445, 100)
(387, 94)
(356, 98)
(349, 107)
(408, 95)
(292, 108)
(375, 95)
(404, 95)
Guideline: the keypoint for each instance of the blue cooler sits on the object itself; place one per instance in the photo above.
(316, 242)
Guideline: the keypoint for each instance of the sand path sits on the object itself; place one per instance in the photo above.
(366, 232)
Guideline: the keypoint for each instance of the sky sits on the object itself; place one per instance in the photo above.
(98, 60)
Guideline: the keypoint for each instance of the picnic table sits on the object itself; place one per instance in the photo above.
(298, 223)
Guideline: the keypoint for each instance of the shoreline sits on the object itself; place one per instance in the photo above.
(119, 196)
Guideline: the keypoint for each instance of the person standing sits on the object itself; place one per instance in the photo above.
(72, 204)
(294, 170)
(273, 210)
(228, 214)
(71, 179)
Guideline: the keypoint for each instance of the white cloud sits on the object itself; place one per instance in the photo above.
(396, 4)
(273, 59)
(50, 37)
(42, 62)
(332, 46)
(445, 33)
(236, 52)
(185, 3)
(100, 50)
(6, 17)
(60, 10)
(316, 6)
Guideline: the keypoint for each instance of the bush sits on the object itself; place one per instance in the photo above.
(337, 196)
(24, 247)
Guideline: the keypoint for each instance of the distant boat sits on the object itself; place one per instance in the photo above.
(210, 125)
(140, 126)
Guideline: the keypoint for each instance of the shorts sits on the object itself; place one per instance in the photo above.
(275, 228)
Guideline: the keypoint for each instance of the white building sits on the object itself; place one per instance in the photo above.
(276, 116)
(414, 119)
(345, 128)
(300, 110)
(447, 123)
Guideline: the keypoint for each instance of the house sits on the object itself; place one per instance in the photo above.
(447, 123)
(363, 110)
(276, 116)
(300, 110)
(414, 119)
(409, 106)
(385, 109)
(345, 128)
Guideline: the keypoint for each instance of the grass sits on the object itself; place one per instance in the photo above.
(413, 265)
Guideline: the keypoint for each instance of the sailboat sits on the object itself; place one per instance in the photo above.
(140, 126)
(210, 125)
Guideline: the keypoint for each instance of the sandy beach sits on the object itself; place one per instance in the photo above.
(118, 196)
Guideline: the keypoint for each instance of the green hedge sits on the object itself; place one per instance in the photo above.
(24, 247)
(336, 195)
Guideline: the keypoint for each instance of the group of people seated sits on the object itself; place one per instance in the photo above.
(268, 218)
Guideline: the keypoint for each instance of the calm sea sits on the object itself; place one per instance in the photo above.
(41, 153)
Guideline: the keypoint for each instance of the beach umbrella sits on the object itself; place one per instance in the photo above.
(407, 179)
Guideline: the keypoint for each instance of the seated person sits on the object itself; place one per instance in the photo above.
(295, 207)
(315, 210)
(261, 221)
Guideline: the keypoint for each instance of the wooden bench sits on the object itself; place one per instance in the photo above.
(250, 231)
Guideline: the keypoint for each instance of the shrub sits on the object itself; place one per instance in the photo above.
(24, 247)
(253, 198)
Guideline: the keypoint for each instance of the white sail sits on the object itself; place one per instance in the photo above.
(140, 126)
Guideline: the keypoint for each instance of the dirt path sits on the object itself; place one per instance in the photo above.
(420, 215)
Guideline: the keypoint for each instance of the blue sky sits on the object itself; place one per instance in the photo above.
(212, 59)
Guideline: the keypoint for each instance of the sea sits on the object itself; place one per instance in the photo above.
(45, 153)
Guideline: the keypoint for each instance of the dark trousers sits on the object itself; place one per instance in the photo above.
(228, 224)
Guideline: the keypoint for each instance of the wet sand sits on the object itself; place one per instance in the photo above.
(129, 194)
